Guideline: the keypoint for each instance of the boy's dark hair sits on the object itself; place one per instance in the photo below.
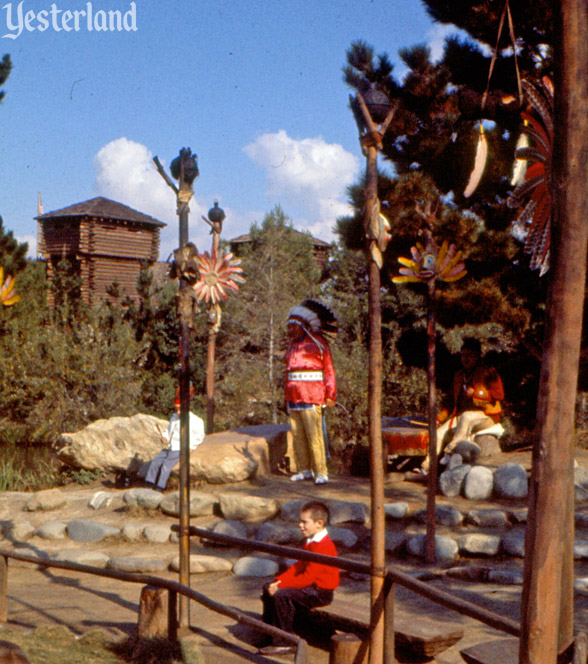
(317, 510)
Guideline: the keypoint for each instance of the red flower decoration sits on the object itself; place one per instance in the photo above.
(218, 276)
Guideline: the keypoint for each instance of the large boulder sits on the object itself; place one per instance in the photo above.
(129, 443)
(234, 456)
(112, 445)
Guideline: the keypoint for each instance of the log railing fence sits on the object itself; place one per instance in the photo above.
(173, 588)
(392, 577)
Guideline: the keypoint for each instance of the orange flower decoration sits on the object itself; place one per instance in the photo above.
(8, 295)
(219, 275)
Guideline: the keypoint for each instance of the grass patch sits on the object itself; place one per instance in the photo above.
(57, 645)
(34, 468)
(27, 469)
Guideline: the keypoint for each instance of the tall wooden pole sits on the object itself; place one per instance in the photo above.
(184, 617)
(371, 141)
(432, 410)
(185, 169)
(547, 604)
(378, 517)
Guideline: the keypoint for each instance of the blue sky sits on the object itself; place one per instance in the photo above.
(253, 87)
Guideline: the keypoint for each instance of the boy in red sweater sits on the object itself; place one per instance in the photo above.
(303, 585)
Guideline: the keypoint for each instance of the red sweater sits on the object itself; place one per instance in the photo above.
(305, 355)
(303, 574)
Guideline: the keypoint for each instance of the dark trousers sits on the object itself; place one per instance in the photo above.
(280, 609)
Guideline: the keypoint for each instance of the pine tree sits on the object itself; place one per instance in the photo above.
(5, 67)
(12, 252)
(431, 143)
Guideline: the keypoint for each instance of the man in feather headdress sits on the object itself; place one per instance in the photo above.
(310, 386)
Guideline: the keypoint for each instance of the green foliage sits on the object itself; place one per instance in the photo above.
(404, 388)
(60, 372)
(12, 252)
(5, 68)
(53, 644)
(156, 332)
(81, 476)
(533, 21)
(24, 468)
(431, 143)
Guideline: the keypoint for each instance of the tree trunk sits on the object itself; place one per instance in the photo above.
(547, 604)
(432, 411)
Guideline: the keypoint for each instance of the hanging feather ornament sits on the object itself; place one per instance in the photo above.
(533, 193)
(479, 164)
(482, 147)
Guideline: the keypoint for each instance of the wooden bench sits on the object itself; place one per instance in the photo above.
(418, 636)
(505, 651)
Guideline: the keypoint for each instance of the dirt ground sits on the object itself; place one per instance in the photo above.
(82, 603)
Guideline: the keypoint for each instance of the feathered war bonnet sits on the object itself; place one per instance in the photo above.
(314, 316)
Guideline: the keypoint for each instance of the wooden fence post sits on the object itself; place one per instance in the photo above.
(172, 615)
(348, 649)
(3, 589)
(389, 645)
(153, 612)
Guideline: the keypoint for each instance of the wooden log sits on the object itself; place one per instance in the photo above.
(348, 649)
(419, 636)
(505, 651)
(153, 613)
(172, 615)
(3, 589)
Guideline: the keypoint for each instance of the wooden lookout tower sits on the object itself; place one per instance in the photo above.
(104, 242)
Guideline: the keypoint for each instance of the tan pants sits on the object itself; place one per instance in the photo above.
(465, 425)
(458, 428)
(308, 440)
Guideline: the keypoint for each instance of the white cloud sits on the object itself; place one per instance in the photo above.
(32, 242)
(308, 174)
(125, 172)
(437, 35)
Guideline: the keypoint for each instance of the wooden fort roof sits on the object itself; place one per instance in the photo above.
(245, 239)
(105, 208)
(320, 248)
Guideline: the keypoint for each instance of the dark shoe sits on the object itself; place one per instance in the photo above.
(277, 650)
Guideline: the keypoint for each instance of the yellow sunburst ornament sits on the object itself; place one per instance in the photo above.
(8, 295)
(430, 262)
(219, 275)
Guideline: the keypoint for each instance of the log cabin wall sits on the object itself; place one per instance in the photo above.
(105, 241)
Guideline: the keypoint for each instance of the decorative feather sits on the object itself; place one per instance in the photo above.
(479, 164)
(533, 224)
(327, 318)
